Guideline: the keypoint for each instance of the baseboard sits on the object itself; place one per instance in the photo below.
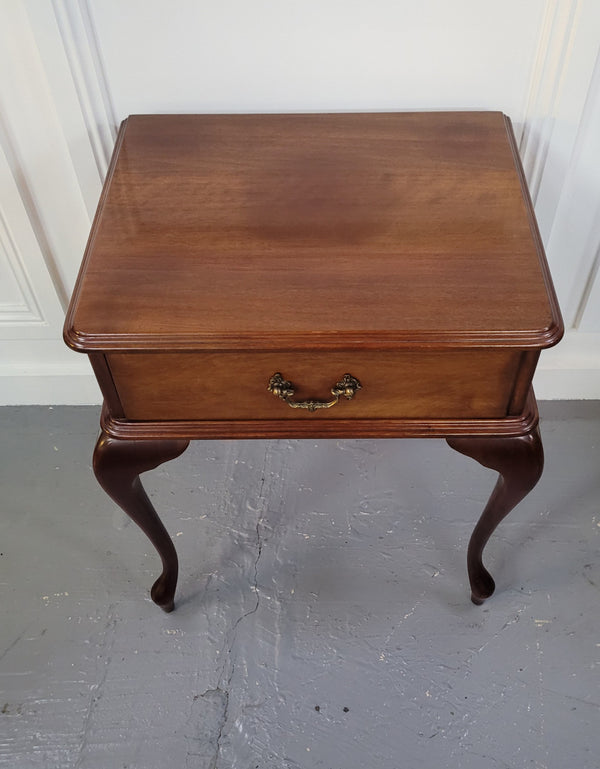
(570, 371)
(574, 385)
(48, 388)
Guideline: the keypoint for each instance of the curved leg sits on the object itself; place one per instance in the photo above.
(117, 465)
(520, 461)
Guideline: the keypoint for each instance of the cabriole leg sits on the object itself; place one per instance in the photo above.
(117, 466)
(520, 461)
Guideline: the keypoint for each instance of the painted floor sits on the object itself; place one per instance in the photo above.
(323, 617)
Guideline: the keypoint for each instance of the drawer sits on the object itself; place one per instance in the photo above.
(407, 384)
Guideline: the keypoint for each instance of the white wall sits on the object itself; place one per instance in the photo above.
(70, 70)
(317, 54)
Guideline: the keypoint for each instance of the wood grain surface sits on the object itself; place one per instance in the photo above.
(405, 384)
(313, 231)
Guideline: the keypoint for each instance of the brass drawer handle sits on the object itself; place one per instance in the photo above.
(285, 390)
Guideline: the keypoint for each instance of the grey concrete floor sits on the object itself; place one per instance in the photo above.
(323, 615)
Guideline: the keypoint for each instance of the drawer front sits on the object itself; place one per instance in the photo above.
(474, 383)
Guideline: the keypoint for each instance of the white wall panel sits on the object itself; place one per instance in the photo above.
(35, 366)
(17, 300)
(70, 70)
(87, 111)
(554, 105)
(43, 219)
(36, 148)
(590, 317)
(28, 303)
(570, 371)
(560, 147)
(317, 55)
(574, 241)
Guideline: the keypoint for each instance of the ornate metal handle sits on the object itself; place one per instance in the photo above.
(285, 390)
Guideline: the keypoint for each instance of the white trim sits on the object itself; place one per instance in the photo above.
(38, 313)
(582, 308)
(551, 61)
(588, 317)
(570, 371)
(48, 386)
(564, 385)
(559, 150)
(79, 40)
(37, 150)
(574, 240)
(27, 311)
(560, 87)
(67, 387)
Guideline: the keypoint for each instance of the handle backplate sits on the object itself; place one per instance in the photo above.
(283, 389)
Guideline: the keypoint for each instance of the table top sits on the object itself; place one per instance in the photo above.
(314, 231)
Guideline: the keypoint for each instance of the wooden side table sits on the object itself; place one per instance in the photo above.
(347, 275)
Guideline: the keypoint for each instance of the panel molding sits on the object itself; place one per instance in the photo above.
(560, 147)
(573, 242)
(52, 166)
(37, 152)
(551, 61)
(561, 83)
(80, 42)
(33, 310)
(585, 292)
(26, 311)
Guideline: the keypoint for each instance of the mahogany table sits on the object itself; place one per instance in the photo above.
(322, 276)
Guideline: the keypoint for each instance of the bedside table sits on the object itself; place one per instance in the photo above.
(315, 276)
